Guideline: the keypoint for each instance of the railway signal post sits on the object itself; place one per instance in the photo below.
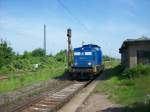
(69, 57)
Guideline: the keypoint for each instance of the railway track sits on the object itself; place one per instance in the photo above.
(37, 93)
(52, 101)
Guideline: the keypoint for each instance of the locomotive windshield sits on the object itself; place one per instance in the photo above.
(88, 53)
(82, 53)
(76, 53)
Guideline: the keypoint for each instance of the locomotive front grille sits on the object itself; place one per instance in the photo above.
(83, 70)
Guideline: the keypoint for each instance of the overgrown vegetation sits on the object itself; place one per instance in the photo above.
(129, 87)
(14, 82)
(28, 68)
(28, 61)
(137, 71)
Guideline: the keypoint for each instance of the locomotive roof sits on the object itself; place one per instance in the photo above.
(88, 46)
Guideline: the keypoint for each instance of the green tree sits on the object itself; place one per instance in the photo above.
(27, 54)
(39, 52)
(6, 53)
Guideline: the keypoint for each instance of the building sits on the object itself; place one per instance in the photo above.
(135, 51)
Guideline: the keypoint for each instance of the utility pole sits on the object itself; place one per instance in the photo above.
(82, 43)
(69, 59)
(44, 39)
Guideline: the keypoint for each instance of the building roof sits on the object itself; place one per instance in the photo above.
(128, 41)
(137, 40)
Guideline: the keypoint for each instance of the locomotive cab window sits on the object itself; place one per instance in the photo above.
(76, 53)
(88, 53)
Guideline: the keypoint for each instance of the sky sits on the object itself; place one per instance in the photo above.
(106, 23)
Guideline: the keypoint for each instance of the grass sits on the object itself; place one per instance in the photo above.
(25, 79)
(29, 67)
(126, 91)
(127, 87)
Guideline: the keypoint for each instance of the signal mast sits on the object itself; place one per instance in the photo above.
(69, 53)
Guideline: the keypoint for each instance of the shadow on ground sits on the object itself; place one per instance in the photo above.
(108, 73)
(66, 76)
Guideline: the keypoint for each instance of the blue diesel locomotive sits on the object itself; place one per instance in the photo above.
(87, 61)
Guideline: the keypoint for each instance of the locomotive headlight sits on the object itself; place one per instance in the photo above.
(75, 63)
(89, 63)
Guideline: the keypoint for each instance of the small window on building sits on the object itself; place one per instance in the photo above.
(143, 57)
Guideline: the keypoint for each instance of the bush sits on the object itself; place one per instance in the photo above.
(22, 64)
(18, 64)
(4, 69)
(61, 56)
(7, 69)
(137, 71)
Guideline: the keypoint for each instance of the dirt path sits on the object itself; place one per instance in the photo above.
(79, 98)
(99, 103)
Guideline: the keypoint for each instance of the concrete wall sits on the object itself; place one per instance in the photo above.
(133, 48)
(125, 58)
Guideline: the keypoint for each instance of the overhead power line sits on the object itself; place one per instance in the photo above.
(74, 17)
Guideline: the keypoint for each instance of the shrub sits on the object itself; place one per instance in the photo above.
(137, 71)
(4, 69)
(61, 56)
(18, 64)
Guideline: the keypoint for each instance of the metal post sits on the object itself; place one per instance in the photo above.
(69, 47)
(82, 43)
(44, 39)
